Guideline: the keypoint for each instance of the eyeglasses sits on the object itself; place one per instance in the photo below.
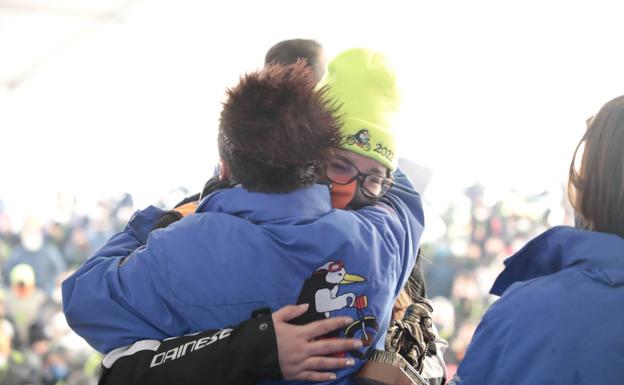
(343, 172)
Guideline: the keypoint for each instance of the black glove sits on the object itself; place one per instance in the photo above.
(173, 216)
(215, 184)
(168, 218)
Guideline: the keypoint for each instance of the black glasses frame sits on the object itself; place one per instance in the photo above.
(386, 183)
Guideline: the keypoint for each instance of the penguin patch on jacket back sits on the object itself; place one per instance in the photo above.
(324, 291)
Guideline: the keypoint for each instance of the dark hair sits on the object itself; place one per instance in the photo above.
(415, 285)
(276, 130)
(289, 51)
(596, 191)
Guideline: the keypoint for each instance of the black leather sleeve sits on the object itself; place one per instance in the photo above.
(245, 354)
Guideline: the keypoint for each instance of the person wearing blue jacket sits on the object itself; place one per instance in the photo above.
(559, 320)
(271, 240)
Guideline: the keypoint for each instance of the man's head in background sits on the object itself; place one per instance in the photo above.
(289, 51)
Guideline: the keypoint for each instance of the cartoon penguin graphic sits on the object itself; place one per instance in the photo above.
(321, 291)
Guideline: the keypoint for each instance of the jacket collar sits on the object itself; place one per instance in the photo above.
(600, 255)
(310, 202)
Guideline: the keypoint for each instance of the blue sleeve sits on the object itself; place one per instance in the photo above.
(404, 205)
(401, 179)
(134, 234)
(121, 294)
(482, 361)
(408, 207)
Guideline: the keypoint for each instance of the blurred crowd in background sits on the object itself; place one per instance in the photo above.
(37, 347)
(36, 344)
(482, 230)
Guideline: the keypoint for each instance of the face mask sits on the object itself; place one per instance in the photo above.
(361, 200)
(350, 196)
(32, 242)
(59, 371)
(342, 194)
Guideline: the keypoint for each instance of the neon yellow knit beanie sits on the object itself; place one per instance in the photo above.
(363, 86)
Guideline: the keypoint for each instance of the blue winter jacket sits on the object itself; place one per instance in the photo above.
(560, 319)
(242, 251)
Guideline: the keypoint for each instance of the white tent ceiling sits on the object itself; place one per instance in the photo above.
(94, 92)
(34, 32)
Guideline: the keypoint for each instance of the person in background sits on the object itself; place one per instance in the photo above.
(8, 240)
(14, 370)
(56, 367)
(24, 300)
(559, 317)
(289, 51)
(44, 258)
(78, 248)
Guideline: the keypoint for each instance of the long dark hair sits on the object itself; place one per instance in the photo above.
(596, 190)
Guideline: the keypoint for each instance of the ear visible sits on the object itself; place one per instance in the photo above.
(224, 170)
